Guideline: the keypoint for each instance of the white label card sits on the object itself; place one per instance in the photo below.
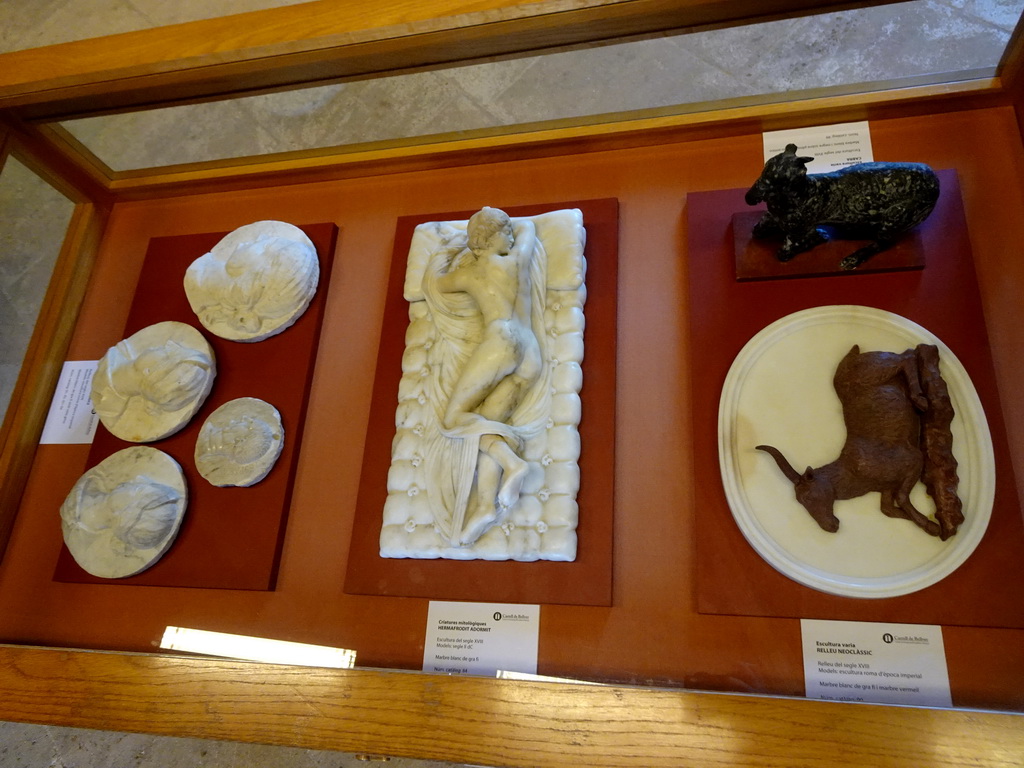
(481, 638)
(881, 663)
(71, 418)
(831, 146)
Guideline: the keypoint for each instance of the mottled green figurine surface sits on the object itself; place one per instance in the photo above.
(870, 201)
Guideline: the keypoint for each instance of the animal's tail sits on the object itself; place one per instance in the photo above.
(787, 469)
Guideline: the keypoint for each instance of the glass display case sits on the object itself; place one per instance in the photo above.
(163, 140)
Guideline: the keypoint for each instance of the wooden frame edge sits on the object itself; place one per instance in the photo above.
(328, 41)
(483, 720)
(63, 161)
(1012, 72)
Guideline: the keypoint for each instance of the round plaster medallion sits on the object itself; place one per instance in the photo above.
(239, 443)
(255, 283)
(123, 514)
(151, 384)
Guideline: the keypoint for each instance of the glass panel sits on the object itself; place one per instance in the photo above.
(913, 42)
(33, 220)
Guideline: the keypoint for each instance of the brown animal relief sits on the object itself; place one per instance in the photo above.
(897, 413)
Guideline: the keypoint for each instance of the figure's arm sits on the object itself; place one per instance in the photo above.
(445, 283)
(525, 234)
(451, 280)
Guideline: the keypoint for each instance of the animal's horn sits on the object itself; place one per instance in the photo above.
(791, 474)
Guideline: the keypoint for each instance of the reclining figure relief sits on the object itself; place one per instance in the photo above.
(898, 414)
(866, 201)
(485, 456)
(494, 398)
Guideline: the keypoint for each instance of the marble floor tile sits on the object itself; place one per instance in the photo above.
(159, 13)
(1001, 13)
(36, 746)
(32, 23)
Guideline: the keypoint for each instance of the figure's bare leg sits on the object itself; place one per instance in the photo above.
(491, 387)
(504, 397)
(499, 406)
(483, 514)
(513, 469)
(499, 479)
(490, 362)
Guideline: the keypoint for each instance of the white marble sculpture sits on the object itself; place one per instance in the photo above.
(485, 457)
(123, 514)
(149, 385)
(239, 443)
(256, 281)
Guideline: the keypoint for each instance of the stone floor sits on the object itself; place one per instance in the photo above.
(908, 41)
(37, 746)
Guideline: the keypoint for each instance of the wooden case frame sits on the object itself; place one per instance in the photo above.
(387, 712)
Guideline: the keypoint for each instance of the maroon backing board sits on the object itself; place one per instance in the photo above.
(587, 580)
(725, 313)
(230, 538)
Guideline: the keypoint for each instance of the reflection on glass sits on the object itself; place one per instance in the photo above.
(924, 40)
(33, 220)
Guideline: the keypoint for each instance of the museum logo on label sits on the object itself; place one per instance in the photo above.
(499, 616)
(888, 638)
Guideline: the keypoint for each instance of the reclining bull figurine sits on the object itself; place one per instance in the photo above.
(871, 201)
(897, 413)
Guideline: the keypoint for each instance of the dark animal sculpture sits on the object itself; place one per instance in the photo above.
(888, 448)
(869, 201)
